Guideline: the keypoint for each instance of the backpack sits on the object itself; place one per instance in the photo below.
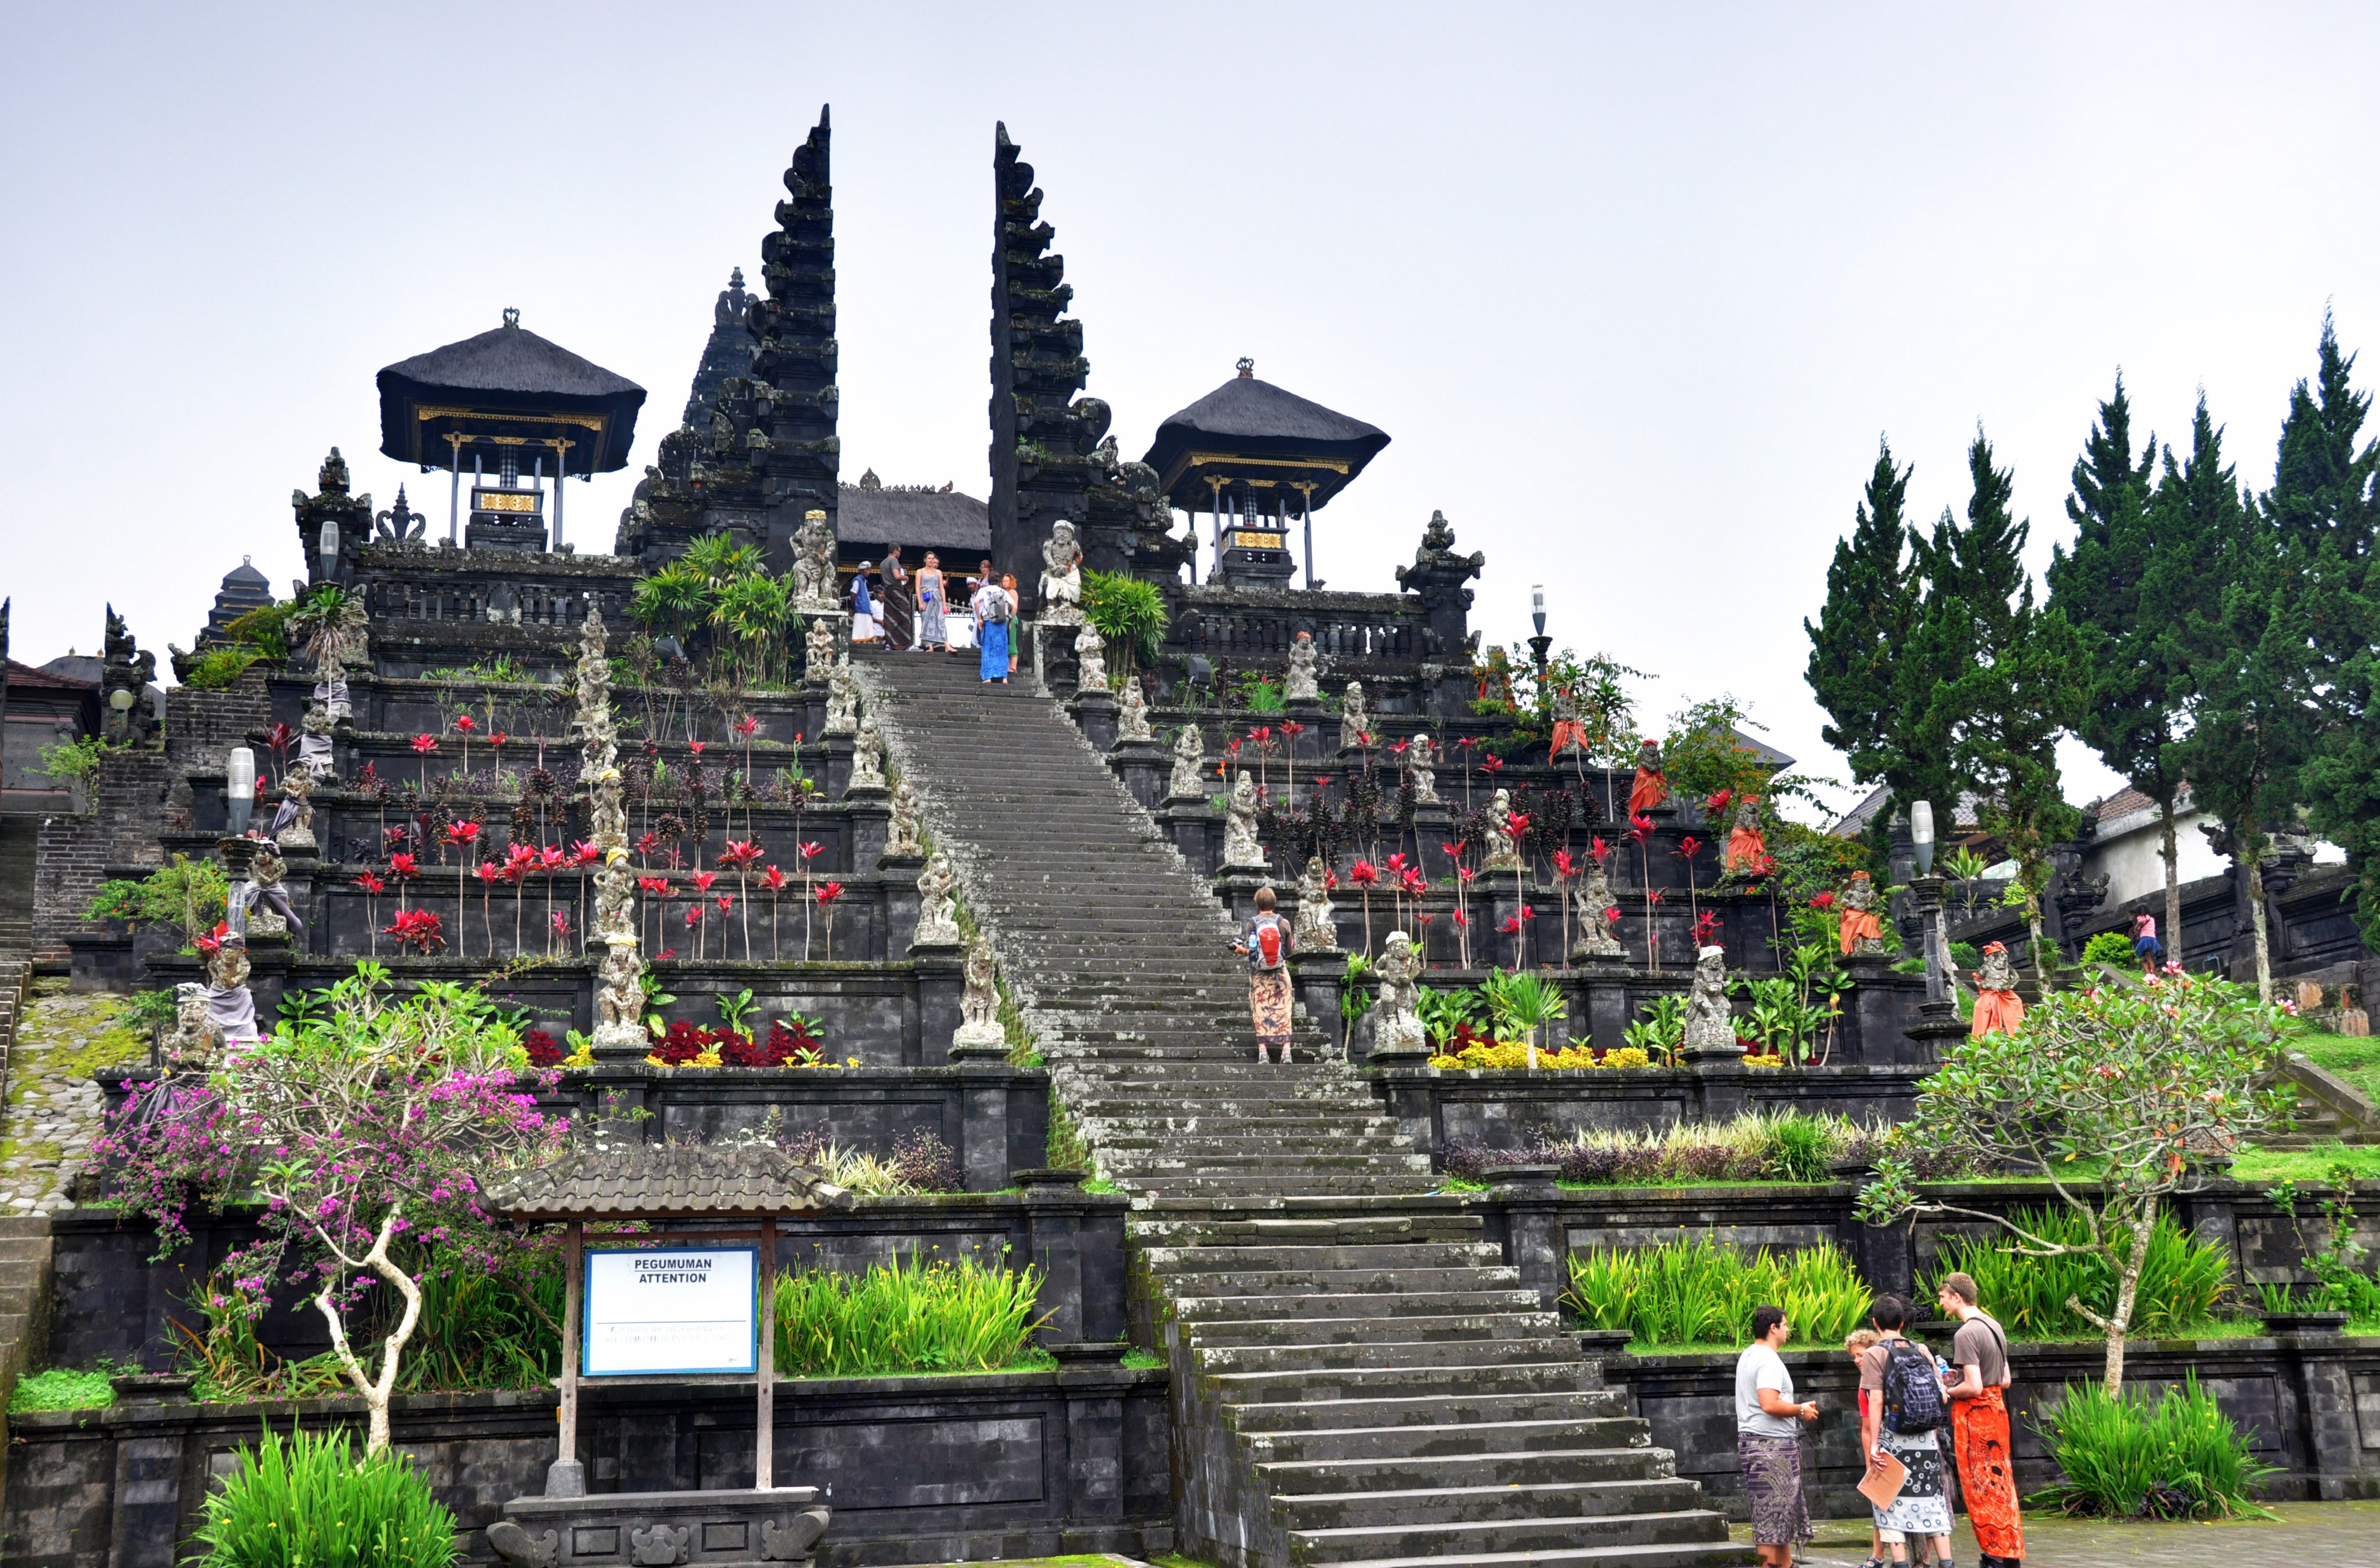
(1268, 943)
(1913, 1394)
(997, 611)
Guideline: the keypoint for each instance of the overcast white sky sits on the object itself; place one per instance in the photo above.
(1634, 288)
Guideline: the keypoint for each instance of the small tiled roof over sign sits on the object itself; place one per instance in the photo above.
(641, 1181)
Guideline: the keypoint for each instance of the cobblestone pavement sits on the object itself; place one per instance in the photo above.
(54, 1108)
(2326, 1533)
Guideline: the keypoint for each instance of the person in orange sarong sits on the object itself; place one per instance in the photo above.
(1997, 1006)
(1860, 924)
(1651, 787)
(1746, 845)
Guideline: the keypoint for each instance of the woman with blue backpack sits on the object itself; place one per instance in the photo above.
(1904, 1410)
(1267, 944)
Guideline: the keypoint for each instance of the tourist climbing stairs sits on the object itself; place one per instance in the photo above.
(1358, 1376)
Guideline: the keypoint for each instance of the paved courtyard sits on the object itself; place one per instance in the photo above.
(2325, 1533)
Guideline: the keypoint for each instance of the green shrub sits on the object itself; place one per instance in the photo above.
(2124, 1457)
(63, 1388)
(220, 667)
(309, 1504)
(1698, 1292)
(186, 894)
(73, 761)
(1129, 615)
(2181, 1282)
(485, 1329)
(906, 1316)
(2109, 947)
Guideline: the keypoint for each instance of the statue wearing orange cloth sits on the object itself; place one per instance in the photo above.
(1862, 933)
(1569, 733)
(1745, 845)
(1997, 1006)
(1651, 787)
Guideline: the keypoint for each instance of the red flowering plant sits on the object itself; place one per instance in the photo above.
(418, 929)
(424, 745)
(1367, 876)
(370, 1125)
(741, 854)
(827, 893)
(372, 887)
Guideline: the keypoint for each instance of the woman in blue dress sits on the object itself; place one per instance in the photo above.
(992, 608)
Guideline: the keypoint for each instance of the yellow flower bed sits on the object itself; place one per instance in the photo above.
(1572, 1058)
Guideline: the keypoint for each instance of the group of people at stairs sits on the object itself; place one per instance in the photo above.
(912, 614)
(1905, 1399)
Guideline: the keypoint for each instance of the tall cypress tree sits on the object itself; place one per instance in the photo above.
(2324, 508)
(1860, 637)
(2132, 715)
(2006, 677)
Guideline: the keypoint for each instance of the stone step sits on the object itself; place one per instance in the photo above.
(1433, 1445)
(1586, 1538)
(1451, 1380)
(1474, 1408)
(1521, 1470)
(1183, 1267)
(1703, 1551)
(1454, 1501)
(1222, 1159)
(1385, 1334)
(1284, 1186)
(1286, 1284)
(1204, 1313)
(1468, 1350)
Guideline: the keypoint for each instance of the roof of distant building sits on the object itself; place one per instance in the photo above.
(49, 677)
(1854, 821)
(916, 518)
(508, 382)
(1250, 419)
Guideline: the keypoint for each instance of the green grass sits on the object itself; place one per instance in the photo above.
(1144, 1361)
(311, 1501)
(2174, 1457)
(63, 1388)
(2307, 1165)
(2355, 1059)
(2182, 1278)
(906, 1316)
(1693, 1290)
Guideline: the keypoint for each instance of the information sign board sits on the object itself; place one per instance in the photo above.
(663, 1311)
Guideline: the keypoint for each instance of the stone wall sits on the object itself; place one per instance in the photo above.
(1501, 1110)
(73, 851)
(916, 1469)
(2311, 1403)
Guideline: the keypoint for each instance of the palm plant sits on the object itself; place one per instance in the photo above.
(672, 601)
(1524, 1002)
(1129, 615)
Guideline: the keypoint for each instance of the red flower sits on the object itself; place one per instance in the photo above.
(746, 725)
(1465, 872)
(1640, 828)
(811, 851)
(1292, 728)
(702, 881)
(1416, 884)
(665, 954)
(370, 884)
(695, 746)
(1397, 863)
(694, 914)
(486, 871)
(402, 868)
(1468, 742)
(1718, 803)
(1517, 823)
(1612, 914)
(742, 854)
(726, 901)
(425, 744)
(1512, 926)
(1321, 783)
(418, 928)
(1492, 764)
(1652, 896)
(1459, 918)
(645, 844)
(1451, 849)
(657, 886)
(1599, 850)
(583, 852)
(1707, 928)
(1363, 873)
(829, 892)
(551, 860)
(462, 832)
(1823, 901)
(1563, 864)
(211, 943)
(1688, 847)
(774, 881)
(519, 861)
(1400, 748)
(463, 722)
(498, 738)
(561, 923)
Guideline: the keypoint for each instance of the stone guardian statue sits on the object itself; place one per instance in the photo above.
(842, 699)
(1354, 724)
(1132, 719)
(1090, 658)
(1710, 1024)
(1315, 931)
(938, 916)
(1240, 847)
(1302, 683)
(979, 1003)
(1061, 578)
(1189, 780)
(1396, 1010)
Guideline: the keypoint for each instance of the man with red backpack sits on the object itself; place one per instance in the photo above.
(1266, 943)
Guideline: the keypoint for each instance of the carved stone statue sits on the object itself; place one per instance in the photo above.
(189, 1045)
(1651, 785)
(231, 1011)
(1061, 578)
(1090, 658)
(261, 903)
(842, 699)
(315, 758)
(1422, 762)
(1569, 735)
(1396, 1009)
(1354, 724)
(937, 915)
(615, 919)
(818, 649)
(1503, 855)
(1862, 933)
(619, 993)
(1240, 847)
(1747, 846)
(866, 757)
(979, 1003)
(901, 836)
(1998, 1009)
(1189, 780)
(1594, 901)
(1304, 681)
(293, 825)
(1315, 931)
(1710, 1025)
(1132, 721)
(814, 582)
(620, 1001)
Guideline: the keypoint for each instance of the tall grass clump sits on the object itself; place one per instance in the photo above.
(2127, 1456)
(2182, 1281)
(308, 1502)
(489, 1328)
(1755, 1146)
(907, 1316)
(1699, 1292)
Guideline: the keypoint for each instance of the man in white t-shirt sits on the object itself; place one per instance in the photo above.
(1769, 1438)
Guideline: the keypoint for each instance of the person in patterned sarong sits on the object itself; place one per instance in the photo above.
(1267, 944)
(1920, 1508)
(1979, 1421)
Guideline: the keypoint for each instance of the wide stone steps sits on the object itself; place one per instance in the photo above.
(1389, 1391)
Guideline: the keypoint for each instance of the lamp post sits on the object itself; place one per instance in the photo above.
(239, 788)
(1540, 644)
(330, 550)
(1925, 891)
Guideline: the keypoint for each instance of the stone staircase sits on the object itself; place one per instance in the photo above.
(1358, 1377)
(24, 1239)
